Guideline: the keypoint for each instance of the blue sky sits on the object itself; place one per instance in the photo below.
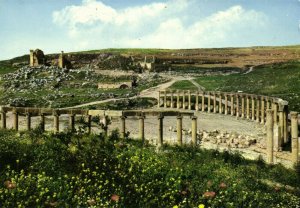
(55, 25)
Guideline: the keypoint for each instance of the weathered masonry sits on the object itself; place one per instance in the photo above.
(116, 85)
(28, 113)
(241, 105)
(36, 58)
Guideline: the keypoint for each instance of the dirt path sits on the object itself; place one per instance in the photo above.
(200, 88)
(250, 70)
(151, 92)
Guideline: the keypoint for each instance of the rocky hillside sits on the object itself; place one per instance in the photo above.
(184, 59)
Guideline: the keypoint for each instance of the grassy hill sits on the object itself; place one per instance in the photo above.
(279, 80)
(276, 73)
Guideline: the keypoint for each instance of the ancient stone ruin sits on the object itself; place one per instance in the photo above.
(116, 85)
(148, 63)
(63, 62)
(37, 58)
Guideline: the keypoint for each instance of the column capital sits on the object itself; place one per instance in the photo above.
(142, 117)
(294, 115)
(123, 117)
(14, 111)
(179, 116)
(160, 116)
(194, 117)
(56, 113)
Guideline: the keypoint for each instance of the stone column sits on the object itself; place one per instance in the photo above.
(281, 126)
(28, 123)
(183, 100)
(268, 103)
(252, 108)
(160, 131)
(123, 127)
(248, 107)
(56, 122)
(172, 101)
(294, 137)
(243, 106)
(231, 105)
(165, 98)
(16, 120)
(275, 108)
(89, 123)
(178, 100)
(105, 125)
(257, 109)
(285, 124)
(179, 130)
(270, 134)
(203, 102)
(215, 103)
(262, 110)
(208, 103)
(158, 100)
(194, 130)
(3, 119)
(197, 101)
(237, 106)
(72, 122)
(142, 128)
(220, 103)
(42, 122)
(226, 104)
(190, 104)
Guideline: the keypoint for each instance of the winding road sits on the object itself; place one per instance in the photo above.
(150, 92)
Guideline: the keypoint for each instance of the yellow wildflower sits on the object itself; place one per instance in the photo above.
(201, 206)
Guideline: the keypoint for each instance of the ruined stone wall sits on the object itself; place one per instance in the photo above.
(119, 85)
(37, 58)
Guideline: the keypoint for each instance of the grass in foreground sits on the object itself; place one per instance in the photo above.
(73, 170)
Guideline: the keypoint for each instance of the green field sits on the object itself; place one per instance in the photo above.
(183, 85)
(278, 80)
(94, 171)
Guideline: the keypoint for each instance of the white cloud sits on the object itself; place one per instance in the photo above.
(161, 24)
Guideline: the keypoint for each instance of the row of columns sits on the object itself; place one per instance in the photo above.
(42, 121)
(240, 105)
(271, 140)
(160, 119)
(141, 119)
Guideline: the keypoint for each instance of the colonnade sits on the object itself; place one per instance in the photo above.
(240, 105)
(271, 143)
(104, 115)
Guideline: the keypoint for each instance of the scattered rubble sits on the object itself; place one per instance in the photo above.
(229, 140)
